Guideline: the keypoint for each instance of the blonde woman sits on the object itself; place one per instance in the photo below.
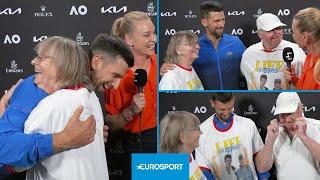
(134, 112)
(306, 33)
(182, 50)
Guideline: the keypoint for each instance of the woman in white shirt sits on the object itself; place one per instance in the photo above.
(180, 133)
(62, 70)
(182, 50)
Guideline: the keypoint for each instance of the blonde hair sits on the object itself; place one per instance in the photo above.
(171, 126)
(308, 20)
(72, 62)
(124, 25)
(176, 40)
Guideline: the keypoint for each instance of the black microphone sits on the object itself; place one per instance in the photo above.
(140, 79)
(287, 55)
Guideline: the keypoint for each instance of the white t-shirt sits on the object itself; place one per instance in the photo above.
(51, 116)
(180, 79)
(256, 62)
(241, 138)
(293, 160)
(195, 173)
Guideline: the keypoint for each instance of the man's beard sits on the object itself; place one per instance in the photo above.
(215, 33)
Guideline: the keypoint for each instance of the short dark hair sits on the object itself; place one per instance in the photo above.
(111, 46)
(263, 76)
(227, 156)
(209, 6)
(222, 96)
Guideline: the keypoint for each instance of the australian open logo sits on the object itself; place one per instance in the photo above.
(80, 41)
(250, 111)
(151, 9)
(14, 68)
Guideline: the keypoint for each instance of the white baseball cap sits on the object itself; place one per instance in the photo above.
(287, 102)
(268, 21)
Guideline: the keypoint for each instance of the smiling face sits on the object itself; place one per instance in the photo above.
(143, 37)
(189, 50)
(223, 110)
(107, 75)
(271, 39)
(214, 24)
(46, 72)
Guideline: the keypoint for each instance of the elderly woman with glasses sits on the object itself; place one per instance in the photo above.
(61, 83)
(182, 50)
(180, 133)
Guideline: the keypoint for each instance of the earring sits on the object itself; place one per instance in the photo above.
(131, 46)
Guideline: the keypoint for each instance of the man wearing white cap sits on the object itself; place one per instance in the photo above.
(295, 140)
(265, 57)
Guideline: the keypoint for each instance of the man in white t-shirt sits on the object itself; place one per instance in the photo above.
(265, 57)
(227, 133)
(295, 139)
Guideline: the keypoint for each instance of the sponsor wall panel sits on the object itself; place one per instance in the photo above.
(25, 23)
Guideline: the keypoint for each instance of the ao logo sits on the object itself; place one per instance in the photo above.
(285, 12)
(82, 10)
(237, 31)
(198, 110)
(114, 9)
(14, 39)
(170, 32)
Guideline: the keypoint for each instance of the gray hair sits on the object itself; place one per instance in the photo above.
(176, 40)
(171, 126)
(73, 66)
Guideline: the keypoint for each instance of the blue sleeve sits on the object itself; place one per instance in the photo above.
(208, 174)
(17, 148)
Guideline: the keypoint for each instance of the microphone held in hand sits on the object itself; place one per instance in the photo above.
(140, 79)
(288, 56)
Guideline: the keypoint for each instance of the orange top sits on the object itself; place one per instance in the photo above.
(119, 99)
(306, 80)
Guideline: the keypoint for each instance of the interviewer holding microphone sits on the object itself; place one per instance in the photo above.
(306, 33)
(293, 141)
(128, 109)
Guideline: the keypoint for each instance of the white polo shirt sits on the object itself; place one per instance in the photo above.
(256, 62)
(293, 160)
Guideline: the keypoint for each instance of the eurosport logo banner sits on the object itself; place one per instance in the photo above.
(160, 166)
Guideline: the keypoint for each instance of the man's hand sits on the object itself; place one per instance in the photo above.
(105, 133)
(300, 124)
(272, 131)
(76, 133)
(6, 97)
(165, 67)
